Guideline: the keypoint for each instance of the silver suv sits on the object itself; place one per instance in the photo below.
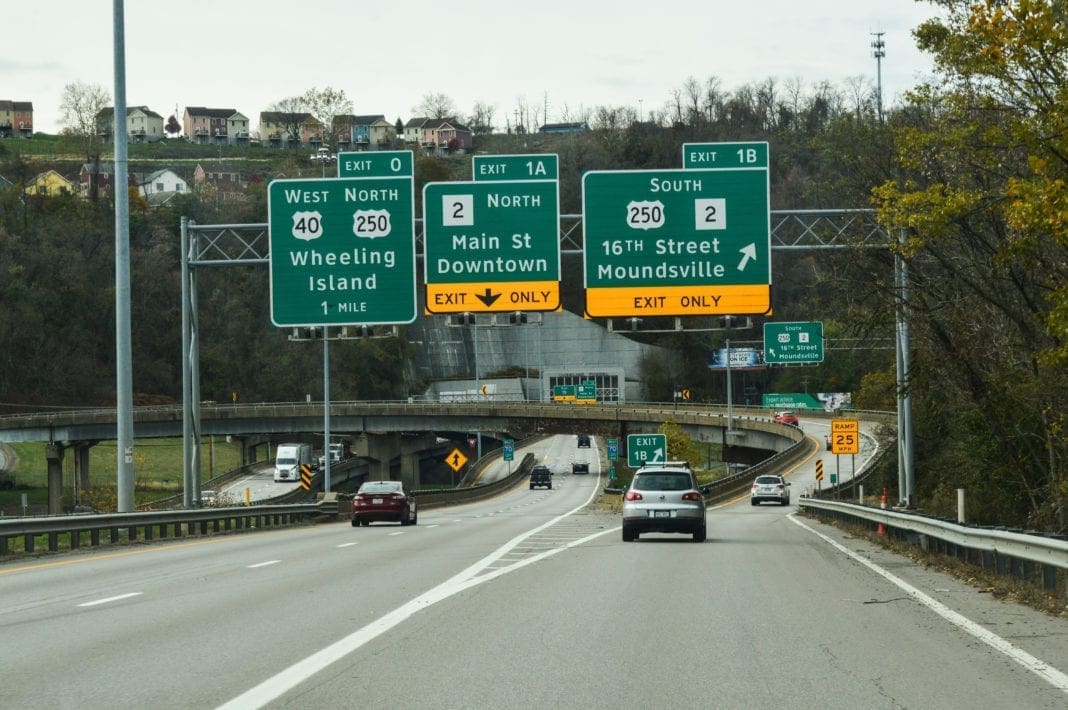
(664, 498)
(768, 487)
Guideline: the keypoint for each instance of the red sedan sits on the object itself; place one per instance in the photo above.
(383, 501)
(785, 418)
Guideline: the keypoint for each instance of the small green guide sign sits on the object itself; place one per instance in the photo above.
(798, 343)
(646, 448)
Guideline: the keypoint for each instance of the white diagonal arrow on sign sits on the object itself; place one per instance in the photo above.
(748, 252)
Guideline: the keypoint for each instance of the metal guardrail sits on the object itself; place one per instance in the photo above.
(1007, 552)
(154, 524)
(118, 527)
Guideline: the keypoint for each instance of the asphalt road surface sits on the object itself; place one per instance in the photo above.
(530, 600)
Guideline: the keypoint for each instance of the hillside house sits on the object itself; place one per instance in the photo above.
(215, 126)
(279, 129)
(16, 119)
(372, 132)
(143, 125)
(50, 184)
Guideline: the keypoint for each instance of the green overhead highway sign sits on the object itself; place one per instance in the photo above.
(342, 251)
(376, 163)
(793, 343)
(677, 242)
(646, 448)
(491, 246)
(531, 166)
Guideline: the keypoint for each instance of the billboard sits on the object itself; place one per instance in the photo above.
(827, 401)
(741, 359)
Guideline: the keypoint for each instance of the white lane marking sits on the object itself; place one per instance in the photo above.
(1037, 666)
(268, 563)
(396, 533)
(348, 544)
(112, 599)
(288, 678)
(431, 526)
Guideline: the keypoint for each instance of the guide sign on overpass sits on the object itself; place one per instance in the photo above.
(342, 251)
(491, 246)
(677, 242)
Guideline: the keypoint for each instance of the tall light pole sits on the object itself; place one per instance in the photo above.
(323, 157)
(879, 52)
(641, 111)
(123, 346)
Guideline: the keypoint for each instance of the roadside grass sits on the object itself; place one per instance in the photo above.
(157, 473)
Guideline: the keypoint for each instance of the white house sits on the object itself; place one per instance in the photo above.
(163, 181)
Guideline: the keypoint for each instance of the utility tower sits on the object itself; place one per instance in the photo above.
(879, 52)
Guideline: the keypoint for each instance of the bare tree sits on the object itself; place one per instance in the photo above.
(78, 108)
(294, 111)
(794, 91)
(857, 88)
(675, 106)
(435, 106)
(712, 99)
(692, 90)
(582, 115)
(481, 119)
(325, 104)
(766, 103)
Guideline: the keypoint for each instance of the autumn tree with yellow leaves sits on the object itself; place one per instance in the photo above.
(980, 208)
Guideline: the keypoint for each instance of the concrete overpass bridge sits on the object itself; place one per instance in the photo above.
(384, 430)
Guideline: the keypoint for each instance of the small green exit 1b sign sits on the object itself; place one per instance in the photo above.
(646, 448)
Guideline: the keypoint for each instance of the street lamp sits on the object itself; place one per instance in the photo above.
(323, 156)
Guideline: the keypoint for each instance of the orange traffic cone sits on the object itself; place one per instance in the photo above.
(882, 504)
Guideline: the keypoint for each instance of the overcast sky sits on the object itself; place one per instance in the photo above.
(569, 54)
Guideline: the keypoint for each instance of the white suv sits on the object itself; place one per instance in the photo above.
(768, 487)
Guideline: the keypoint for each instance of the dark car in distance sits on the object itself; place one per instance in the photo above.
(583, 441)
(383, 501)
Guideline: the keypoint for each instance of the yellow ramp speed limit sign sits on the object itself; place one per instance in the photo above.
(845, 436)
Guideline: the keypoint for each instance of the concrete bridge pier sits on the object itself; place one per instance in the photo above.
(380, 450)
(81, 467)
(250, 446)
(54, 456)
